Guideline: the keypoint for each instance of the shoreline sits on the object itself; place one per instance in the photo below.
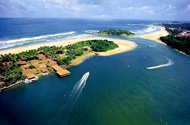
(124, 45)
(155, 36)
(10, 86)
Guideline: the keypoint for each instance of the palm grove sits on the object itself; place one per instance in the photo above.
(12, 72)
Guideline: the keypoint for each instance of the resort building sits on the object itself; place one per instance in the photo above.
(2, 84)
(49, 62)
(184, 34)
(42, 66)
(20, 63)
(41, 57)
(44, 71)
(61, 72)
(30, 77)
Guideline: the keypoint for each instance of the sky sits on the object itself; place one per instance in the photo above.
(99, 9)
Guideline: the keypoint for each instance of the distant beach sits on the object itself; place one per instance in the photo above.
(124, 45)
(155, 36)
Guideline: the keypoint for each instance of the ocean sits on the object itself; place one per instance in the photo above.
(23, 32)
(148, 85)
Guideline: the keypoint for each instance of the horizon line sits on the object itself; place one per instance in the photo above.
(89, 18)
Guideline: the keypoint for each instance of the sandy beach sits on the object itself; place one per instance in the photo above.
(124, 45)
(156, 35)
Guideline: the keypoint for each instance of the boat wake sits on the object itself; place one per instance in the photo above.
(77, 89)
(73, 96)
(170, 62)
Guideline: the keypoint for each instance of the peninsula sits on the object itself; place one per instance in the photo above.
(27, 65)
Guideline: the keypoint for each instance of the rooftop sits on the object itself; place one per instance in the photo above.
(1, 82)
(43, 69)
(41, 56)
(21, 63)
(30, 75)
(61, 72)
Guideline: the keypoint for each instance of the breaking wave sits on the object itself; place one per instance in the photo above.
(39, 37)
(170, 62)
(150, 28)
(152, 46)
(91, 31)
(42, 39)
(138, 24)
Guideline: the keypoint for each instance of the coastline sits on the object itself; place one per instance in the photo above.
(124, 45)
(156, 35)
(121, 43)
(11, 86)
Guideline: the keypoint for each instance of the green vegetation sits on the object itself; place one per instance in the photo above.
(64, 61)
(12, 72)
(176, 41)
(115, 32)
(175, 29)
(179, 43)
(103, 46)
(31, 67)
(78, 49)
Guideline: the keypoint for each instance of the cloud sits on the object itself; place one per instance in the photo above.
(154, 9)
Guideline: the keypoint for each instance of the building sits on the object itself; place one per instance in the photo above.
(61, 72)
(44, 71)
(184, 33)
(2, 84)
(41, 56)
(49, 62)
(30, 77)
(5, 63)
(20, 63)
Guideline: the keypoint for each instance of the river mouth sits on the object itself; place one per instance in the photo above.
(119, 90)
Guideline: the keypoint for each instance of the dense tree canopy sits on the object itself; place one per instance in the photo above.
(115, 32)
(175, 41)
(12, 71)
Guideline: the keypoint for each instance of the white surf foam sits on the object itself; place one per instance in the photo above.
(152, 46)
(170, 62)
(37, 37)
(91, 31)
(49, 39)
(151, 28)
(138, 24)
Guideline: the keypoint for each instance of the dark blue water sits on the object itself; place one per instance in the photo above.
(120, 89)
(22, 32)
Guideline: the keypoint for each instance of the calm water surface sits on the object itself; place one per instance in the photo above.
(119, 90)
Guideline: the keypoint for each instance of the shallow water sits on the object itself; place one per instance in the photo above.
(119, 90)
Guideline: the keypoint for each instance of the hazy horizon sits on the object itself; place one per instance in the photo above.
(167, 10)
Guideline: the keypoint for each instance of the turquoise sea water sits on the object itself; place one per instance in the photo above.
(120, 90)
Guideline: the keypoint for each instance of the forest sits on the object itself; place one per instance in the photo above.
(175, 41)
